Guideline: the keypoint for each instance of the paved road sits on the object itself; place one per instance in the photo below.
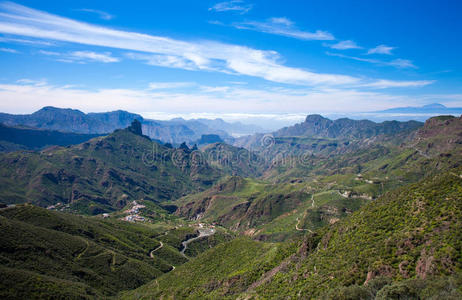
(161, 245)
(202, 232)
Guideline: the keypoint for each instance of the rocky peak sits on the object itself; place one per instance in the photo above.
(316, 119)
(135, 127)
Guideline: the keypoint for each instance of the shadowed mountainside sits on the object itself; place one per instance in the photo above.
(22, 138)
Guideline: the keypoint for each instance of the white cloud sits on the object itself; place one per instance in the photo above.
(32, 82)
(402, 63)
(168, 61)
(102, 14)
(28, 96)
(282, 20)
(397, 63)
(93, 56)
(49, 53)
(9, 50)
(344, 45)
(166, 52)
(383, 84)
(20, 20)
(215, 89)
(169, 85)
(233, 5)
(81, 56)
(25, 42)
(381, 49)
(284, 27)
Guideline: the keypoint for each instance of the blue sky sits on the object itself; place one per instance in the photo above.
(233, 59)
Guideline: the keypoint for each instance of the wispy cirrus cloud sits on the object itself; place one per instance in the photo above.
(189, 62)
(23, 21)
(9, 50)
(25, 42)
(105, 57)
(402, 63)
(169, 85)
(344, 45)
(101, 14)
(284, 27)
(163, 51)
(397, 63)
(234, 5)
(81, 56)
(381, 49)
(32, 82)
(385, 84)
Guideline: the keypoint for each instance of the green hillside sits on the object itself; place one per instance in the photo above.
(21, 138)
(269, 211)
(291, 199)
(234, 160)
(61, 254)
(52, 249)
(220, 273)
(374, 218)
(411, 233)
(404, 245)
(103, 174)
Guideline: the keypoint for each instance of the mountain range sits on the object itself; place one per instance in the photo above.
(174, 131)
(324, 209)
(430, 109)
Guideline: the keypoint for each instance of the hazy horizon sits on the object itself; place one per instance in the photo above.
(269, 122)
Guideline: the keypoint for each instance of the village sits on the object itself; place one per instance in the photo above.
(133, 213)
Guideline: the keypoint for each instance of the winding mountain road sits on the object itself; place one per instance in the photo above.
(151, 253)
(202, 233)
(301, 229)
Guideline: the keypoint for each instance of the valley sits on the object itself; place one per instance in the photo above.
(230, 149)
(229, 222)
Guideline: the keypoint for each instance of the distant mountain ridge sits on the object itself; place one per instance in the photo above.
(321, 131)
(174, 131)
(72, 120)
(235, 129)
(434, 108)
(318, 126)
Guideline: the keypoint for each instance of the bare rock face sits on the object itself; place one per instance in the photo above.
(425, 264)
(381, 271)
(402, 269)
